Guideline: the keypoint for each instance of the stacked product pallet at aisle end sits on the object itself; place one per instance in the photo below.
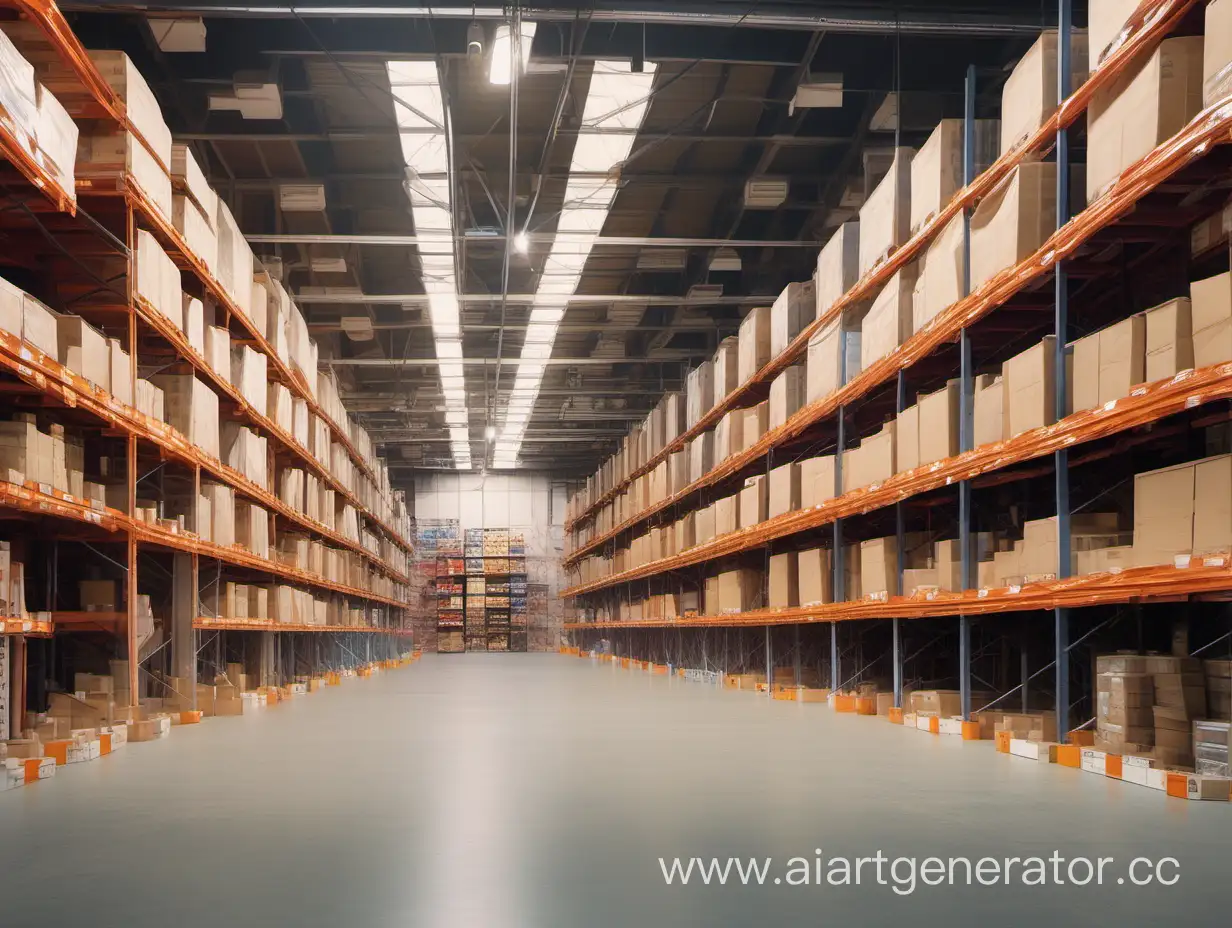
(496, 568)
(518, 614)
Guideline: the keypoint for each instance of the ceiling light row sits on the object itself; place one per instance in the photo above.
(617, 99)
(419, 110)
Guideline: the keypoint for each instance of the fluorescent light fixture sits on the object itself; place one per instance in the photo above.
(490, 433)
(419, 111)
(521, 243)
(611, 118)
(500, 70)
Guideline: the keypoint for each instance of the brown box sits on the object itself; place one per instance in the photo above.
(784, 490)
(1145, 105)
(728, 438)
(1212, 511)
(875, 462)
(1211, 308)
(1122, 357)
(784, 580)
(939, 283)
(1031, 388)
(726, 368)
(707, 524)
(1013, 221)
(739, 590)
(1169, 339)
(756, 422)
(754, 501)
(794, 309)
(1084, 371)
(885, 217)
(907, 447)
(838, 266)
(754, 343)
(192, 408)
(942, 703)
(937, 168)
(1163, 514)
(727, 514)
(1217, 52)
(939, 424)
(786, 395)
(83, 350)
(888, 322)
(919, 580)
(989, 409)
(1029, 96)
(815, 576)
(98, 596)
(816, 481)
(879, 567)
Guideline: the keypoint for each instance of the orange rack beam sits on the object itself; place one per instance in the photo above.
(1208, 128)
(1149, 24)
(40, 628)
(1138, 584)
(264, 625)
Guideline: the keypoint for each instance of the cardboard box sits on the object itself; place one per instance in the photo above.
(939, 283)
(879, 567)
(1122, 357)
(838, 267)
(739, 590)
(728, 437)
(119, 373)
(907, 452)
(874, 462)
(83, 350)
(920, 580)
(706, 524)
(794, 309)
(1217, 52)
(726, 368)
(1169, 340)
(815, 576)
(754, 501)
(1146, 105)
(784, 580)
(727, 514)
(192, 408)
(786, 395)
(1212, 509)
(699, 392)
(39, 327)
(1029, 96)
(989, 409)
(1211, 308)
(888, 322)
(1031, 388)
(1013, 221)
(1163, 514)
(937, 168)
(755, 425)
(816, 481)
(784, 494)
(947, 560)
(701, 455)
(1083, 373)
(754, 342)
(685, 532)
(1106, 21)
(938, 425)
(885, 217)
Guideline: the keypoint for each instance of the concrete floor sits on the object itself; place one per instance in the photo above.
(484, 791)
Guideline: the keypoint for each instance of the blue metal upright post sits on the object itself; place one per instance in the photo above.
(1061, 330)
(966, 419)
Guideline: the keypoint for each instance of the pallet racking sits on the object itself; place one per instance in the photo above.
(1059, 288)
(71, 234)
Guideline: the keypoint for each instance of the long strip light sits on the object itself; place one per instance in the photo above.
(500, 67)
(420, 114)
(615, 105)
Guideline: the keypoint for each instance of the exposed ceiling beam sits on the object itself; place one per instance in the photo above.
(650, 241)
(532, 299)
(661, 358)
(592, 328)
(877, 19)
(391, 133)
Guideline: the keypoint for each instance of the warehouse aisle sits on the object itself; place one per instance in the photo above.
(539, 790)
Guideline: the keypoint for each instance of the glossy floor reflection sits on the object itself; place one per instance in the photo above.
(485, 791)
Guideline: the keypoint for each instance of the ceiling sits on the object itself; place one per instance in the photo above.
(718, 115)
